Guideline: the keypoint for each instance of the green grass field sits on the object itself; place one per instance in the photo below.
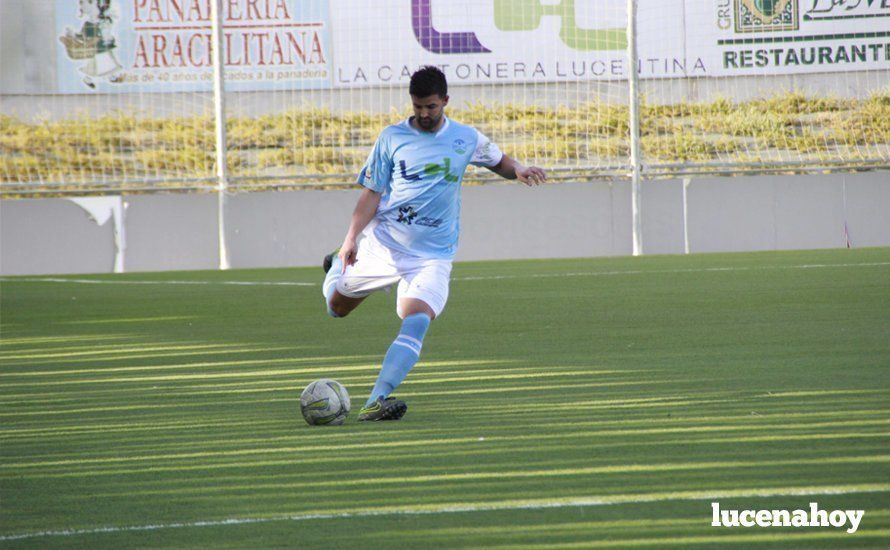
(570, 403)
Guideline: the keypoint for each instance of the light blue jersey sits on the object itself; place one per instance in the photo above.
(419, 175)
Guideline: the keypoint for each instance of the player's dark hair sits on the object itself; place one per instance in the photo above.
(428, 80)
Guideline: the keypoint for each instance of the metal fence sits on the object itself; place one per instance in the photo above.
(73, 129)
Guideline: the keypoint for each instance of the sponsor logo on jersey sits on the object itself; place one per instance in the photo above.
(445, 169)
(406, 215)
(403, 168)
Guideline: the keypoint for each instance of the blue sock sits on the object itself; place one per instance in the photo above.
(330, 283)
(401, 356)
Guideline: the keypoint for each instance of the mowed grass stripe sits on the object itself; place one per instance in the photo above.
(132, 320)
(706, 446)
(222, 366)
(678, 405)
(310, 284)
(455, 507)
(240, 374)
(51, 414)
(376, 479)
(268, 504)
(591, 526)
(121, 356)
(116, 344)
(421, 379)
(197, 367)
(346, 461)
(223, 439)
(362, 384)
(670, 401)
(490, 453)
(354, 381)
(762, 421)
(132, 352)
(786, 538)
(284, 410)
(491, 439)
(219, 445)
(48, 407)
(225, 456)
(219, 448)
(176, 404)
(488, 464)
(49, 404)
(493, 436)
(8, 342)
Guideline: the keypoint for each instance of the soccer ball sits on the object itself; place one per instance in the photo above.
(325, 402)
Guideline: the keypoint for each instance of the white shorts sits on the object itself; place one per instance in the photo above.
(378, 268)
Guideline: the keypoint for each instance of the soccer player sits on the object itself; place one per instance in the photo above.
(409, 215)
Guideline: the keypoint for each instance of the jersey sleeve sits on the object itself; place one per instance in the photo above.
(487, 153)
(376, 174)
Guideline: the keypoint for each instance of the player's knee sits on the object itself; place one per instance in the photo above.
(336, 310)
(404, 309)
(341, 306)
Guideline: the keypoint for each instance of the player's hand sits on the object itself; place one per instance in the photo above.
(531, 175)
(348, 251)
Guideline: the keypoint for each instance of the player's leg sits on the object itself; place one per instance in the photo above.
(338, 304)
(404, 351)
(422, 296)
(344, 290)
(341, 306)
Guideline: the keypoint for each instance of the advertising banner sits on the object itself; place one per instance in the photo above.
(505, 41)
(165, 45)
(758, 37)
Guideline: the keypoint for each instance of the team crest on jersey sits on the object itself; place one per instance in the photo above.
(459, 146)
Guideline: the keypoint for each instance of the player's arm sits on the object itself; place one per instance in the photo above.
(512, 169)
(375, 178)
(489, 155)
(364, 212)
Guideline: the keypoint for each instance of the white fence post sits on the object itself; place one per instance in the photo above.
(686, 182)
(634, 101)
(219, 111)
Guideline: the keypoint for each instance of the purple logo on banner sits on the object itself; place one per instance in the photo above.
(439, 42)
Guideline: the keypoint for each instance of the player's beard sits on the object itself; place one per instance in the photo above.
(428, 123)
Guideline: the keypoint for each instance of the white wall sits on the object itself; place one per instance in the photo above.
(282, 229)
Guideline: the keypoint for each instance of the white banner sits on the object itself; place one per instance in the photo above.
(504, 41)
(116, 46)
(756, 37)
(163, 45)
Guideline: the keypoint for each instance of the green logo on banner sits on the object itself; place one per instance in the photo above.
(525, 15)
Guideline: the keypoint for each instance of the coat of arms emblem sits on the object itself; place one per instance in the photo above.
(765, 15)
